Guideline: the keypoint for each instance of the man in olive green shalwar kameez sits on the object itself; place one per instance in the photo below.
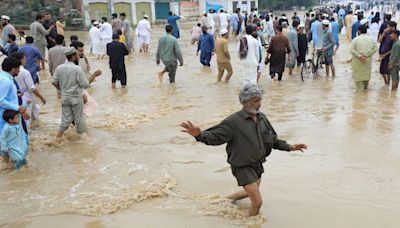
(168, 51)
(250, 138)
(362, 49)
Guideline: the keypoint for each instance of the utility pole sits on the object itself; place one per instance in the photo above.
(110, 8)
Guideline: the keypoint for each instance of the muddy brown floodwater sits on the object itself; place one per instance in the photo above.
(136, 169)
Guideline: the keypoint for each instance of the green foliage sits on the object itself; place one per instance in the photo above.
(25, 12)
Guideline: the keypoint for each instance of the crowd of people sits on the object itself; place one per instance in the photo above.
(262, 39)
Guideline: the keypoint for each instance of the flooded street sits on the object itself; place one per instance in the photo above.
(136, 169)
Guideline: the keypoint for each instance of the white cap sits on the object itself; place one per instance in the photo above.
(325, 15)
(325, 22)
(301, 26)
(223, 32)
(5, 17)
(270, 14)
(96, 23)
(364, 21)
(283, 17)
(145, 16)
(357, 12)
(69, 51)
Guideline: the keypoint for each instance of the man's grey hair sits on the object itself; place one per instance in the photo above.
(249, 91)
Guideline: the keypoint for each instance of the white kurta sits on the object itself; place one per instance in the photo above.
(95, 39)
(105, 35)
(223, 18)
(144, 31)
(26, 85)
(250, 64)
(211, 23)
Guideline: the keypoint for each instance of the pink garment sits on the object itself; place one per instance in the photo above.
(196, 32)
(91, 105)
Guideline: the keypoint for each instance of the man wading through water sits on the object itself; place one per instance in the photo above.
(250, 138)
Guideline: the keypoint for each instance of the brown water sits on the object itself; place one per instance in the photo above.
(136, 169)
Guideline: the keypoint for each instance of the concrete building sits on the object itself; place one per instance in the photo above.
(134, 9)
(158, 9)
(229, 5)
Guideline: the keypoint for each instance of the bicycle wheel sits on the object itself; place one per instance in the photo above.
(306, 69)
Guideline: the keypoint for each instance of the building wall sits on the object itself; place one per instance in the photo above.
(228, 4)
(135, 14)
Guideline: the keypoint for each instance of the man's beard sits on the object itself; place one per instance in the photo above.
(4, 23)
(252, 110)
(76, 62)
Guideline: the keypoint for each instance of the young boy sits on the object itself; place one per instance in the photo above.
(122, 38)
(14, 140)
(302, 44)
(12, 47)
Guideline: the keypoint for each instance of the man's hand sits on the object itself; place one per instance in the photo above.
(97, 73)
(190, 129)
(26, 116)
(181, 64)
(298, 147)
(43, 100)
(21, 109)
(363, 59)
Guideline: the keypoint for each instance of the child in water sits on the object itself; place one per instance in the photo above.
(122, 38)
(14, 140)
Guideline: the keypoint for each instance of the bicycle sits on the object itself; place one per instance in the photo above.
(313, 65)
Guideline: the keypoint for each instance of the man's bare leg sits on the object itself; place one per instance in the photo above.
(395, 84)
(333, 70)
(112, 85)
(253, 191)
(327, 70)
(385, 78)
(161, 74)
(290, 71)
(242, 193)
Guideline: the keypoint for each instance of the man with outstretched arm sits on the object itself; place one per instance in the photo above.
(250, 138)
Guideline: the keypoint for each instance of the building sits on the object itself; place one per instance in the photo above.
(134, 9)
(229, 5)
(158, 10)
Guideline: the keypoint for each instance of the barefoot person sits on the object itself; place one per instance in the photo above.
(250, 138)
(169, 52)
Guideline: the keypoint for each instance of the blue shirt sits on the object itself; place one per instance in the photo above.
(206, 43)
(335, 32)
(11, 48)
(235, 20)
(354, 29)
(6, 30)
(14, 141)
(314, 31)
(342, 13)
(32, 55)
(8, 95)
(172, 21)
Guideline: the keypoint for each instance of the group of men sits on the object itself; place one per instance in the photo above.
(101, 34)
